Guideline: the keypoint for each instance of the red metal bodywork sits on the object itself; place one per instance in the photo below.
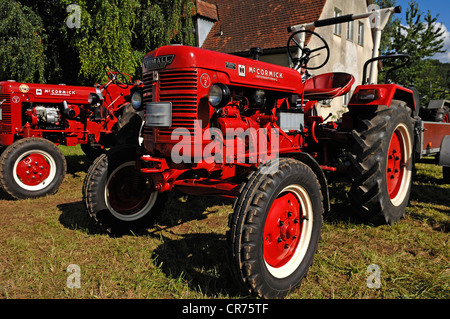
(18, 118)
(183, 76)
(384, 96)
(432, 135)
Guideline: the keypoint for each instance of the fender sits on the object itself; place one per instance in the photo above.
(308, 160)
(382, 94)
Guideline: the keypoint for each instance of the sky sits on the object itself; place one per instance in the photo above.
(436, 7)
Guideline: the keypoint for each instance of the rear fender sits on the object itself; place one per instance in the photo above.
(382, 94)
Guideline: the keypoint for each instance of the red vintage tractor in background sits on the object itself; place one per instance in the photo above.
(35, 118)
(218, 124)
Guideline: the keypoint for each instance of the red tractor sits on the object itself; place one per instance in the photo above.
(223, 125)
(35, 118)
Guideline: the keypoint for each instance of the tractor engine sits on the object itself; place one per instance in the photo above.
(47, 115)
(41, 110)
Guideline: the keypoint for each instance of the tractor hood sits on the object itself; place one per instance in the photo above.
(46, 93)
(226, 68)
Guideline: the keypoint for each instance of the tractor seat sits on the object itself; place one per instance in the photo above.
(328, 86)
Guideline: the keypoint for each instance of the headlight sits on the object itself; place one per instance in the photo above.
(219, 95)
(136, 100)
(93, 98)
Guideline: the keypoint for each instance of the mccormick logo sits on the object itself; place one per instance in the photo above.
(265, 74)
(159, 62)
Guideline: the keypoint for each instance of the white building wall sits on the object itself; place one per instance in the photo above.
(346, 55)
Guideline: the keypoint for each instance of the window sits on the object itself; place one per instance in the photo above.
(337, 27)
(360, 33)
(350, 31)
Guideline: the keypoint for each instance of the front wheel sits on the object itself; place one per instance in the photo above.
(382, 162)
(32, 167)
(116, 194)
(275, 229)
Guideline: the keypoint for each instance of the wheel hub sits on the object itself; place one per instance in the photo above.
(395, 165)
(33, 169)
(282, 230)
(127, 195)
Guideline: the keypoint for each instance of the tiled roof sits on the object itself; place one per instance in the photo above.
(207, 10)
(244, 24)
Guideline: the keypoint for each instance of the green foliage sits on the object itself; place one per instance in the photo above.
(21, 43)
(104, 37)
(166, 22)
(37, 43)
(162, 22)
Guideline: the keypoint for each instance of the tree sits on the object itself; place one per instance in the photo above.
(62, 63)
(163, 22)
(38, 42)
(21, 43)
(119, 33)
(103, 38)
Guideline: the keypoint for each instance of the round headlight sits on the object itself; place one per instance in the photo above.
(219, 95)
(93, 98)
(136, 100)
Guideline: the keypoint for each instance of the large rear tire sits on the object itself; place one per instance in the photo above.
(275, 229)
(382, 162)
(32, 167)
(116, 194)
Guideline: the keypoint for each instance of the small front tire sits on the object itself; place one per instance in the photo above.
(275, 229)
(117, 196)
(32, 167)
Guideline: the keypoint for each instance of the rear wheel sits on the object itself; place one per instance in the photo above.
(275, 229)
(32, 167)
(382, 162)
(129, 126)
(116, 194)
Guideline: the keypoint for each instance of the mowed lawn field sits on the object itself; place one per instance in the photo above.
(184, 254)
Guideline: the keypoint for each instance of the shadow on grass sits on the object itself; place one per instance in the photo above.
(77, 163)
(74, 216)
(197, 258)
(201, 260)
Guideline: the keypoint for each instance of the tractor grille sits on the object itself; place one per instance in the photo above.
(178, 87)
(5, 120)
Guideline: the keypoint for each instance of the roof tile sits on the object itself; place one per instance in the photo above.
(244, 24)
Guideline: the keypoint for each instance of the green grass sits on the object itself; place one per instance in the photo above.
(183, 255)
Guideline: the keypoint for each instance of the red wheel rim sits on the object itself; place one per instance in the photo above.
(446, 118)
(282, 230)
(126, 194)
(33, 169)
(395, 164)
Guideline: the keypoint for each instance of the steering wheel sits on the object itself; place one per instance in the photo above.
(306, 53)
(118, 78)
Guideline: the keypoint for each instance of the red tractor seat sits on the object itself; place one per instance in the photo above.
(328, 86)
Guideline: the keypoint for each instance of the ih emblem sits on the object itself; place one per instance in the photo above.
(241, 70)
